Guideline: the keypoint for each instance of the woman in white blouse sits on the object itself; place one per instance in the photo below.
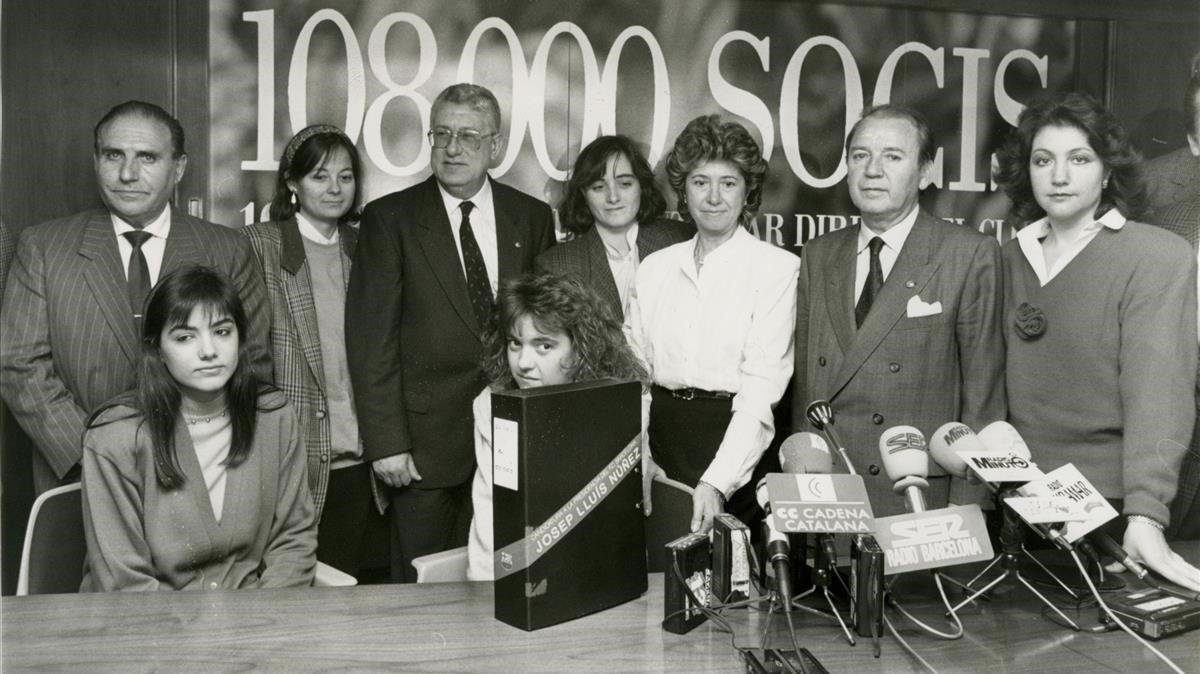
(713, 320)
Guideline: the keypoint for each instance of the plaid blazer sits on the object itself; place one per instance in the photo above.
(896, 368)
(295, 341)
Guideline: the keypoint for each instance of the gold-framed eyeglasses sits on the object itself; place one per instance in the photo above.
(468, 139)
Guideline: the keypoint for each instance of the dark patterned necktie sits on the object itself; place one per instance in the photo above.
(873, 284)
(137, 275)
(478, 286)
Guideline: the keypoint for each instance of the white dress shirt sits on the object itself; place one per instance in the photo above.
(624, 266)
(483, 226)
(729, 327)
(1030, 240)
(152, 249)
(893, 241)
(310, 232)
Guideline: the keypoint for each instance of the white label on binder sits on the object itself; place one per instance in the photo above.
(504, 453)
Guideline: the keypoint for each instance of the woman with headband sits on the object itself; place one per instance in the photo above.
(305, 252)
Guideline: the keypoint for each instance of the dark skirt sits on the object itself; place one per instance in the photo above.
(684, 437)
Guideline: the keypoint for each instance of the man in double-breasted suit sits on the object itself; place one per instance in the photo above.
(420, 293)
(69, 329)
(903, 330)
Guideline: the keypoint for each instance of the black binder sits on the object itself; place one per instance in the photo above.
(572, 468)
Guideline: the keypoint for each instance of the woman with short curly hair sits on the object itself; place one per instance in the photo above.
(713, 319)
(1101, 316)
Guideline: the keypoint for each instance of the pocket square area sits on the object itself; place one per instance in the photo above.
(918, 307)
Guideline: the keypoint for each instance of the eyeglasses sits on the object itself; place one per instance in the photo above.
(468, 139)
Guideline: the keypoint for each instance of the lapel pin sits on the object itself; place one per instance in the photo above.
(910, 284)
(517, 244)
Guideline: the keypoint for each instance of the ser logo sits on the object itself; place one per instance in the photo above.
(928, 530)
(905, 441)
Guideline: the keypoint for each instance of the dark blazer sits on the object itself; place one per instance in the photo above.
(585, 257)
(412, 341)
(67, 333)
(897, 369)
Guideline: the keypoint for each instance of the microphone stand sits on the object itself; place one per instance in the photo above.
(1012, 548)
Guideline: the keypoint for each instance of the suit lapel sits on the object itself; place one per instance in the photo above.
(183, 245)
(908, 277)
(297, 289)
(840, 303)
(437, 243)
(508, 241)
(105, 277)
(599, 271)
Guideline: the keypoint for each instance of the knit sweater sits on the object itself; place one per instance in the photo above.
(1109, 384)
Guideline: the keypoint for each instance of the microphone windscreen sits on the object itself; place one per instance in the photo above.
(805, 453)
(820, 414)
(904, 452)
(1000, 437)
(948, 441)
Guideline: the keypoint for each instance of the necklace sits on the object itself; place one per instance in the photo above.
(192, 421)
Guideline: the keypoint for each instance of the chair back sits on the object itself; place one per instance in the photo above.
(55, 550)
(670, 518)
(447, 566)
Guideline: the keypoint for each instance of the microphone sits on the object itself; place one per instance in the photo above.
(1001, 437)
(906, 462)
(950, 439)
(808, 454)
(820, 415)
(778, 549)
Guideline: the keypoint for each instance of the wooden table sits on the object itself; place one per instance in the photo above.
(449, 628)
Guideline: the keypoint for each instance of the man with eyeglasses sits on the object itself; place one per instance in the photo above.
(425, 273)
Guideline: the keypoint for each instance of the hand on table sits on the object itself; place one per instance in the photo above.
(1148, 545)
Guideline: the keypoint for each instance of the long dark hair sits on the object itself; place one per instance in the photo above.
(559, 304)
(1104, 133)
(157, 395)
(574, 213)
(307, 150)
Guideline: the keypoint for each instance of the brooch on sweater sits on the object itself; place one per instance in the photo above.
(1030, 322)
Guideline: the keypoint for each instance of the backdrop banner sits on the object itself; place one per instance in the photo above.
(797, 74)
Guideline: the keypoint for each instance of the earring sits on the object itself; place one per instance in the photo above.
(1104, 184)
(295, 199)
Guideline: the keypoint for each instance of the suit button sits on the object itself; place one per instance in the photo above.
(873, 469)
(877, 419)
(212, 586)
(320, 414)
(324, 458)
(894, 367)
(821, 361)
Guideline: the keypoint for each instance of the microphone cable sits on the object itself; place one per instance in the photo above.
(949, 636)
(1117, 621)
(905, 645)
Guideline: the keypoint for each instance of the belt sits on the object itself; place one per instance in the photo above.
(690, 393)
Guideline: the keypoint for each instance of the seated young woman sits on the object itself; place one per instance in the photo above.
(196, 478)
(548, 330)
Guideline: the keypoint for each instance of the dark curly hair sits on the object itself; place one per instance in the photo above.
(559, 304)
(706, 139)
(574, 213)
(1105, 134)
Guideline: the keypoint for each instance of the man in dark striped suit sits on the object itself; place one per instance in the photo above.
(70, 321)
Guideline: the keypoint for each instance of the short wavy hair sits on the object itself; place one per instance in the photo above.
(1125, 190)
(474, 96)
(564, 304)
(708, 138)
(574, 213)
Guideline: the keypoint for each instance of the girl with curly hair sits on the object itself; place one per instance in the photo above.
(547, 330)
